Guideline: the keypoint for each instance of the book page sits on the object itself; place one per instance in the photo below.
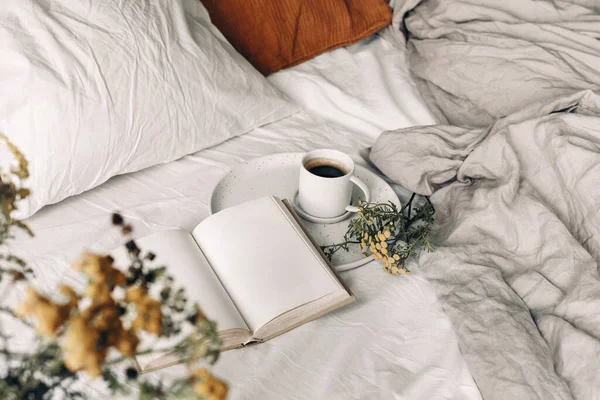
(267, 266)
(177, 250)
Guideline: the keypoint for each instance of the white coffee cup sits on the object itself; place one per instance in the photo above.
(325, 187)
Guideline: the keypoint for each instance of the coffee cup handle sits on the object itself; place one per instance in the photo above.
(365, 189)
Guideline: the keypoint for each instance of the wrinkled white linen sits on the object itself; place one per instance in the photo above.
(394, 342)
(519, 242)
(92, 89)
(478, 60)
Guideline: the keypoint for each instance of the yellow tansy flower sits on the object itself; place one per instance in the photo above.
(209, 386)
(81, 349)
(127, 342)
(49, 316)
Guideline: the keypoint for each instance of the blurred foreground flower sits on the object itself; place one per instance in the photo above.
(97, 331)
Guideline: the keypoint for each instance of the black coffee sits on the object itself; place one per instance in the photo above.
(326, 171)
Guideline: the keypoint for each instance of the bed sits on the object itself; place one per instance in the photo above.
(396, 342)
(488, 107)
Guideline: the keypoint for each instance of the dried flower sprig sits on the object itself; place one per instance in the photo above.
(97, 331)
(12, 192)
(390, 234)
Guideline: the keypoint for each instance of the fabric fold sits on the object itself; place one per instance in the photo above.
(518, 241)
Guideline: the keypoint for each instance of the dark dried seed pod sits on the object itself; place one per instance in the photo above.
(131, 246)
(131, 373)
(117, 219)
(192, 319)
(151, 276)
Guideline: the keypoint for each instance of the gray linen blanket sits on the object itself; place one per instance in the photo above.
(518, 228)
(478, 60)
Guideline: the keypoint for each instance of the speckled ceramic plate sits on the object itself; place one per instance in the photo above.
(278, 175)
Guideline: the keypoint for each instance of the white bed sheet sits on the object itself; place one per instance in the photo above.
(394, 342)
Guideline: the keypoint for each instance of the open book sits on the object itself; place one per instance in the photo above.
(252, 268)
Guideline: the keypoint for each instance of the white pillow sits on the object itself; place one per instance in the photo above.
(94, 88)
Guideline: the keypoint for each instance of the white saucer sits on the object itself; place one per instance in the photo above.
(315, 219)
(277, 175)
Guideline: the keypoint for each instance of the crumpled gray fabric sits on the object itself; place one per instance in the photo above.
(518, 234)
(478, 60)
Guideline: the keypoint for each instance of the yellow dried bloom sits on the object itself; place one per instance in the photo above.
(27, 307)
(395, 270)
(71, 295)
(134, 295)
(384, 245)
(92, 333)
(98, 292)
(209, 386)
(81, 349)
(90, 264)
(396, 257)
(149, 313)
(202, 373)
(387, 234)
(384, 251)
(378, 246)
(202, 388)
(50, 319)
(22, 171)
(49, 316)
(127, 342)
(104, 317)
(99, 268)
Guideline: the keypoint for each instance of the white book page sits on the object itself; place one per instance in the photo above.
(262, 260)
(177, 250)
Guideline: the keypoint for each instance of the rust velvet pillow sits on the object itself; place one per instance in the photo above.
(276, 34)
